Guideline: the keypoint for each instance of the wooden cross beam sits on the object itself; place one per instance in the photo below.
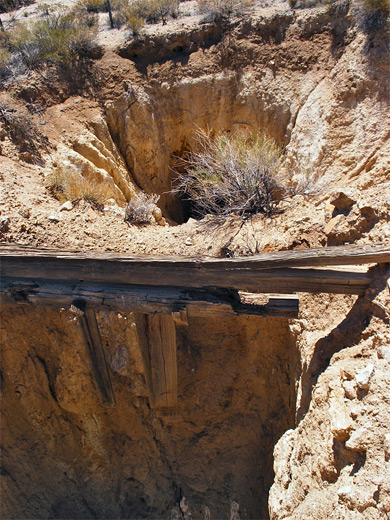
(283, 272)
(142, 299)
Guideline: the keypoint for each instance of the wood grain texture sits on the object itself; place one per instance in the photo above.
(157, 340)
(180, 301)
(97, 356)
(314, 257)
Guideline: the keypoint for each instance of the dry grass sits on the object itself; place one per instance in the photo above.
(65, 185)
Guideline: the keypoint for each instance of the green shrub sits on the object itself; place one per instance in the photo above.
(134, 23)
(60, 39)
(236, 174)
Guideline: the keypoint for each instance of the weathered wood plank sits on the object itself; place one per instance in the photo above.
(287, 281)
(90, 328)
(314, 257)
(163, 363)
(157, 341)
(181, 302)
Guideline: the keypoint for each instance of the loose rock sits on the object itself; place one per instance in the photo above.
(363, 377)
(67, 206)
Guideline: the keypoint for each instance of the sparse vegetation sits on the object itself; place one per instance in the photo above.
(135, 14)
(22, 129)
(93, 6)
(71, 185)
(140, 208)
(236, 174)
(376, 13)
(10, 5)
(224, 8)
(60, 39)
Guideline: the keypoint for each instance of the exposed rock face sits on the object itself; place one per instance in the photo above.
(66, 456)
(315, 83)
(335, 463)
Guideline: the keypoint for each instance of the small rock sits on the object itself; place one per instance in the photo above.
(343, 200)
(4, 224)
(25, 212)
(340, 420)
(363, 377)
(329, 209)
(359, 439)
(350, 389)
(67, 206)
(188, 241)
(344, 491)
(333, 222)
(384, 352)
(53, 218)
(157, 214)
(162, 221)
(386, 445)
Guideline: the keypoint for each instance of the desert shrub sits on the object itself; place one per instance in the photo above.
(375, 14)
(71, 185)
(140, 208)
(10, 5)
(5, 63)
(224, 8)
(151, 11)
(93, 6)
(60, 39)
(134, 23)
(22, 129)
(236, 174)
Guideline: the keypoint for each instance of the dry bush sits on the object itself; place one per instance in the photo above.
(71, 185)
(237, 174)
(140, 208)
(224, 8)
(375, 14)
(21, 128)
(93, 6)
(60, 39)
(150, 11)
(10, 5)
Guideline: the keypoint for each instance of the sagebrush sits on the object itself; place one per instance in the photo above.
(140, 208)
(59, 39)
(237, 174)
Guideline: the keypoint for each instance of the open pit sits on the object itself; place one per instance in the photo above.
(318, 85)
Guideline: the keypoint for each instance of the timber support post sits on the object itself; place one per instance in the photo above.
(157, 339)
(93, 343)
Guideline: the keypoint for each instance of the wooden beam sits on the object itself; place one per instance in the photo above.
(313, 257)
(157, 338)
(181, 302)
(93, 342)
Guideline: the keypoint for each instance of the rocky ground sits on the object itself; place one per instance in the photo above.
(318, 85)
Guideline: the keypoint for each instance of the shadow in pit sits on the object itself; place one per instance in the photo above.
(348, 333)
